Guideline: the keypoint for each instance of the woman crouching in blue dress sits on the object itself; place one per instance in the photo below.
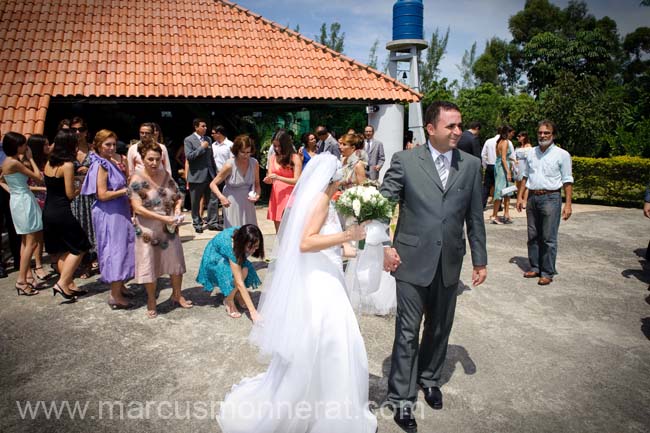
(225, 265)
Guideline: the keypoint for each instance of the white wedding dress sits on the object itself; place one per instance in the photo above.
(380, 302)
(324, 388)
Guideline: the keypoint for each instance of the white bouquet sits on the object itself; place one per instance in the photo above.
(364, 203)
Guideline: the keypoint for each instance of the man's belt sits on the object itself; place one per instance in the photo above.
(542, 191)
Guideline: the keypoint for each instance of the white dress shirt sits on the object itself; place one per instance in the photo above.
(221, 152)
(435, 154)
(489, 151)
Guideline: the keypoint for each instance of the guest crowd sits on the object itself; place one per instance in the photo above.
(92, 207)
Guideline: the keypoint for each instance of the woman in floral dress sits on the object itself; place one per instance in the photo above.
(158, 251)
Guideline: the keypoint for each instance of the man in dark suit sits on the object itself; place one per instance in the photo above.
(469, 141)
(202, 170)
(326, 142)
(439, 190)
(375, 150)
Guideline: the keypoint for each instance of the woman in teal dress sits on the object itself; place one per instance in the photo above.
(502, 176)
(225, 265)
(25, 212)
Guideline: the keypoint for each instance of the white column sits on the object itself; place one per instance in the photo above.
(389, 129)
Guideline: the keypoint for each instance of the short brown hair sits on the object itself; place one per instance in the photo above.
(143, 148)
(433, 112)
(241, 142)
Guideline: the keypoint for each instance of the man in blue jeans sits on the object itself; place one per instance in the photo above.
(546, 172)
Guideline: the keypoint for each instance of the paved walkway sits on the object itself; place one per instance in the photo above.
(572, 357)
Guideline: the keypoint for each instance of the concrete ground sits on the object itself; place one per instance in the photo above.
(570, 357)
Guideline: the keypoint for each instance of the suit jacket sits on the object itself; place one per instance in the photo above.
(200, 160)
(375, 157)
(430, 224)
(329, 145)
(470, 143)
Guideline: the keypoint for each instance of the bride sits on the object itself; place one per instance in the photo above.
(317, 379)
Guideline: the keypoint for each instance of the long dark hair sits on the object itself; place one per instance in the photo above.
(286, 144)
(247, 235)
(36, 143)
(64, 149)
(503, 133)
(11, 142)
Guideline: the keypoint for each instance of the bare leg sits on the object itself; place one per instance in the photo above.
(151, 299)
(38, 257)
(68, 263)
(27, 246)
(177, 298)
(277, 226)
(495, 210)
(116, 293)
(506, 207)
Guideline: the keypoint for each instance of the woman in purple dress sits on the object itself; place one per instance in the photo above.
(111, 217)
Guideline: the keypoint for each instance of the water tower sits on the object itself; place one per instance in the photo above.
(408, 41)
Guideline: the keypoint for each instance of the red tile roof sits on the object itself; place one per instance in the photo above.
(169, 49)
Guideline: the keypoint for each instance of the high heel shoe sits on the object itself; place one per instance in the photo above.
(78, 292)
(26, 289)
(57, 289)
(38, 277)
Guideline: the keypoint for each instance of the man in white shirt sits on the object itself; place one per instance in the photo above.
(546, 172)
(133, 158)
(488, 158)
(221, 151)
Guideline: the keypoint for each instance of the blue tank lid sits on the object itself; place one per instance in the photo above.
(408, 19)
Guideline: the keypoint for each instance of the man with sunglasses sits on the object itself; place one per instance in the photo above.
(547, 171)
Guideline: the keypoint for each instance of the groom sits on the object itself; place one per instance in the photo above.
(438, 188)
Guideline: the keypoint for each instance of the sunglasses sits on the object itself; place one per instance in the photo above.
(81, 129)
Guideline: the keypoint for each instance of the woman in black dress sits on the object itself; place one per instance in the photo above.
(63, 234)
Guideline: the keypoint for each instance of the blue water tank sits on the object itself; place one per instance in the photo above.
(408, 19)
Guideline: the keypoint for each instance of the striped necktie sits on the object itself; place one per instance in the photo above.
(443, 172)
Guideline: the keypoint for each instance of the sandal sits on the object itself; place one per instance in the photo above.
(26, 290)
(117, 306)
(40, 279)
(495, 220)
(231, 313)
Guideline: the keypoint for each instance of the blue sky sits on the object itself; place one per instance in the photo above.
(469, 21)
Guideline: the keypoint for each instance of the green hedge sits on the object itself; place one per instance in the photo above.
(620, 180)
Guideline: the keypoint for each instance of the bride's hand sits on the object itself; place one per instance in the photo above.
(355, 233)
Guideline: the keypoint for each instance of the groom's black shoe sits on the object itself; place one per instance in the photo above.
(405, 419)
(433, 397)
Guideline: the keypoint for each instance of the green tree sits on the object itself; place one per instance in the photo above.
(372, 55)
(334, 39)
(430, 67)
(538, 16)
(587, 113)
(439, 91)
(500, 64)
(466, 67)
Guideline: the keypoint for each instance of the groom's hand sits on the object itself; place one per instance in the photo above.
(479, 274)
(391, 259)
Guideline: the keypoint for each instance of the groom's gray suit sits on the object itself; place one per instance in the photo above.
(430, 241)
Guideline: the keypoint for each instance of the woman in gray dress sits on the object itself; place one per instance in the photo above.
(242, 189)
